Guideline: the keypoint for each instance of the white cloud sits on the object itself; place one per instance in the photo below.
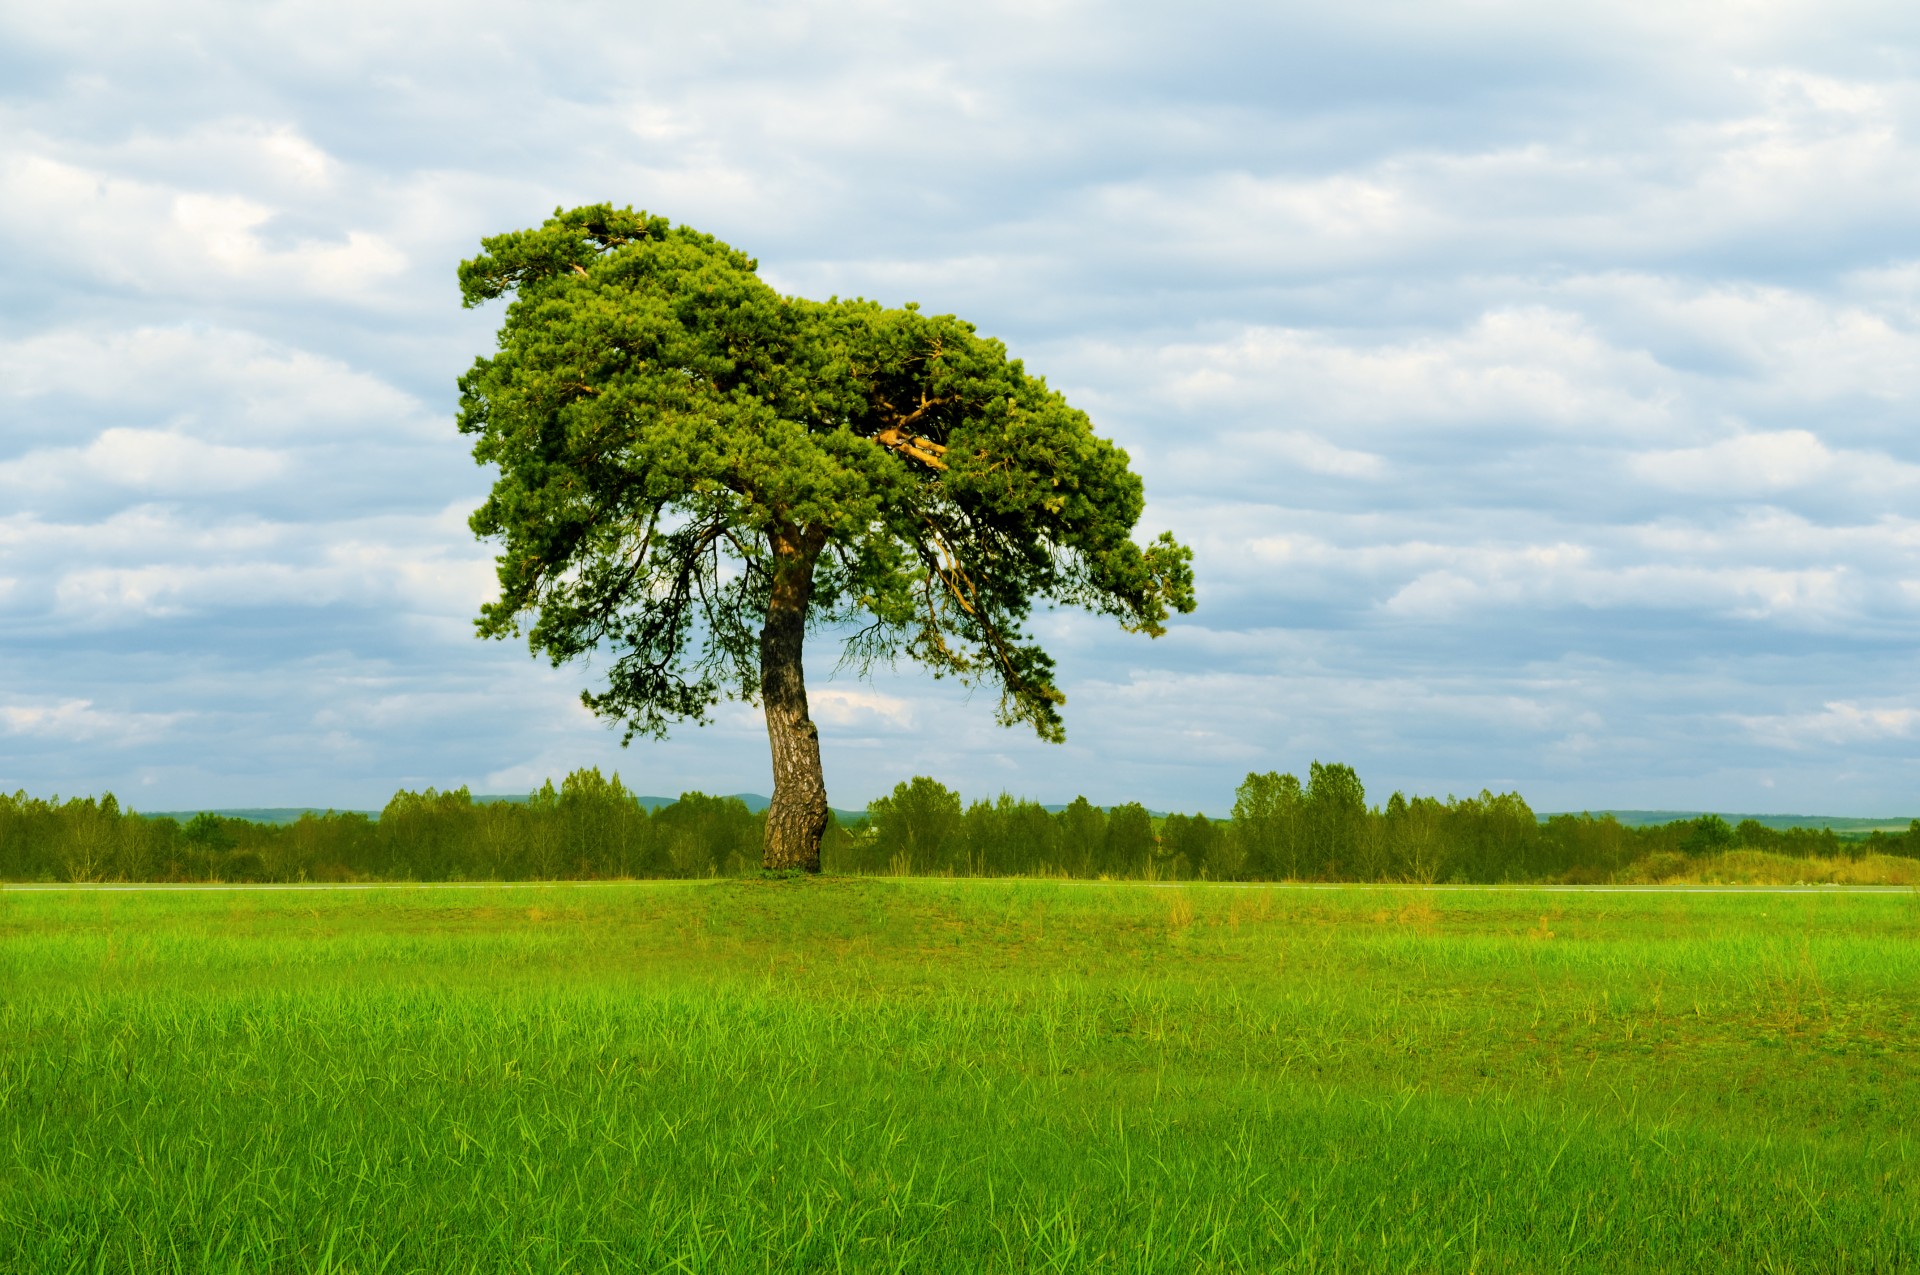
(1240, 220)
(1747, 464)
(447, 575)
(221, 383)
(1560, 577)
(1812, 138)
(98, 596)
(261, 154)
(1770, 463)
(1766, 567)
(1777, 348)
(78, 721)
(147, 461)
(1535, 367)
(1279, 451)
(411, 580)
(190, 240)
(161, 561)
(1490, 393)
(1837, 724)
(151, 459)
(144, 529)
(857, 708)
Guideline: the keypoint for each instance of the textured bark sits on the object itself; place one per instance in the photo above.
(797, 818)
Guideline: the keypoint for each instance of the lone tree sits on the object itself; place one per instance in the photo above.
(694, 469)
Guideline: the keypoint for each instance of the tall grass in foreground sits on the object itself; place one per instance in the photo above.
(919, 1075)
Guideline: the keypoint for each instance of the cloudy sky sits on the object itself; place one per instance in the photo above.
(1534, 383)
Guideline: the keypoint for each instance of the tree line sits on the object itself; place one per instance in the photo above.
(1322, 830)
(592, 827)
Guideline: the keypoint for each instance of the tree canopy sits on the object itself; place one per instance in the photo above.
(694, 470)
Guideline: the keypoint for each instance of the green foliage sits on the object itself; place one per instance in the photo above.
(1008, 836)
(1269, 825)
(706, 836)
(592, 827)
(1709, 834)
(918, 828)
(1194, 848)
(1335, 807)
(1128, 849)
(1083, 837)
(921, 1077)
(663, 422)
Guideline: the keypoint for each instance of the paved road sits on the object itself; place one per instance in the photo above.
(115, 888)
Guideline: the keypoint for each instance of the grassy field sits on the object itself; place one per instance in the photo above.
(924, 1075)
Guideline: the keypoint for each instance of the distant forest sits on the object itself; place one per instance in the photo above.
(592, 827)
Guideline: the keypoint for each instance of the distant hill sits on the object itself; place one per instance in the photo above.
(264, 814)
(751, 800)
(1842, 825)
(290, 814)
(1057, 807)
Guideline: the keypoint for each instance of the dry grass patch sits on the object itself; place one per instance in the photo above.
(1758, 867)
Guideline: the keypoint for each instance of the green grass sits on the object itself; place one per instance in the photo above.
(922, 1075)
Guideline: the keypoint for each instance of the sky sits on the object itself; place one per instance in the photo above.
(1533, 383)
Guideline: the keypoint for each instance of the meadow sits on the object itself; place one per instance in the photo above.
(929, 1075)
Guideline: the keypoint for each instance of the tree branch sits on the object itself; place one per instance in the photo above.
(924, 450)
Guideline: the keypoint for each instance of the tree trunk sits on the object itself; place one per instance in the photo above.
(797, 817)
